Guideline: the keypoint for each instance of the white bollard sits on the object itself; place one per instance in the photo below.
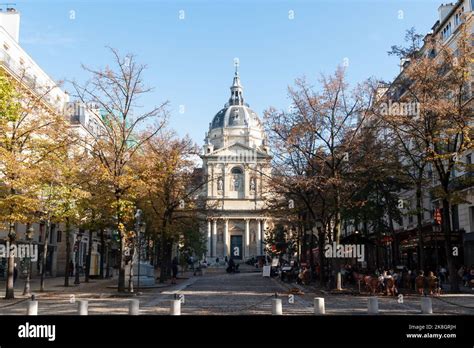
(175, 308)
(134, 307)
(32, 308)
(339, 281)
(373, 305)
(426, 305)
(277, 307)
(319, 305)
(82, 307)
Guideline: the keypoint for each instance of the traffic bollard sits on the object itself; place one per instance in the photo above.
(175, 308)
(134, 307)
(82, 307)
(373, 307)
(32, 308)
(319, 305)
(277, 307)
(426, 305)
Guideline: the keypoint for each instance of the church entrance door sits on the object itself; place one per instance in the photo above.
(236, 247)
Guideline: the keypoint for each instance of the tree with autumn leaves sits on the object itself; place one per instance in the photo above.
(113, 93)
(168, 191)
(314, 142)
(30, 131)
(438, 79)
(341, 156)
(52, 174)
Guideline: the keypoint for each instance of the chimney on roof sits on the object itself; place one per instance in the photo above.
(10, 21)
(443, 10)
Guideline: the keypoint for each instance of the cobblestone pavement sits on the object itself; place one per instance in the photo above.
(218, 293)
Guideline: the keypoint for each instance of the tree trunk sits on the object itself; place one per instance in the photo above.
(395, 250)
(337, 237)
(453, 277)
(89, 258)
(321, 240)
(45, 253)
(419, 218)
(68, 252)
(10, 286)
(311, 257)
(130, 273)
(121, 275)
(163, 265)
(304, 245)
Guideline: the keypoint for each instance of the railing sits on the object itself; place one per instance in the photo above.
(21, 73)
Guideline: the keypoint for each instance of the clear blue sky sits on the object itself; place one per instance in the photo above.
(190, 61)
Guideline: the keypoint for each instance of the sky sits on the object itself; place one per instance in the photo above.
(189, 47)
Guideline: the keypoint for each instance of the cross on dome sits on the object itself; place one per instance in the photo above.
(236, 89)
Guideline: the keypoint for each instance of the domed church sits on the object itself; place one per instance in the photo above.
(236, 164)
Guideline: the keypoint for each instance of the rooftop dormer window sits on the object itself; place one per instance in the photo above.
(446, 33)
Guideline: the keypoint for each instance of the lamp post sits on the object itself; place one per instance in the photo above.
(29, 237)
(78, 244)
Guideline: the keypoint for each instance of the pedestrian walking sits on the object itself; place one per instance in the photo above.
(442, 274)
(433, 284)
(420, 283)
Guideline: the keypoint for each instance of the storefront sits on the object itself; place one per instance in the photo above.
(434, 248)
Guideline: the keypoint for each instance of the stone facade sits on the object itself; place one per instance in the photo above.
(236, 163)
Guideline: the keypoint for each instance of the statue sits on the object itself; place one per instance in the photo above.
(252, 184)
(220, 184)
(236, 182)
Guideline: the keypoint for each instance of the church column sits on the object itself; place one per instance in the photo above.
(226, 238)
(259, 237)
(246, 239)
(212, 181)
(209, 236)
(214, 238)
(225, 183)
(246, 183)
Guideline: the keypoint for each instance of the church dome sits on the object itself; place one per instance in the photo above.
(236, 113)
(235, 116)
(235, 123)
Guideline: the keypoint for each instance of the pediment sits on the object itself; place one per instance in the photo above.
(237, 150)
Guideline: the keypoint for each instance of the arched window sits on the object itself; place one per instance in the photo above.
(236, 170)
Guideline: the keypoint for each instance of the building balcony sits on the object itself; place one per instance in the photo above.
(25, 77)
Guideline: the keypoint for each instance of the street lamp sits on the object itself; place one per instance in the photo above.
(78, 243)
(29, 237)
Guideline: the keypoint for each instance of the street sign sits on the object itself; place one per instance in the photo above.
(266, 271)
